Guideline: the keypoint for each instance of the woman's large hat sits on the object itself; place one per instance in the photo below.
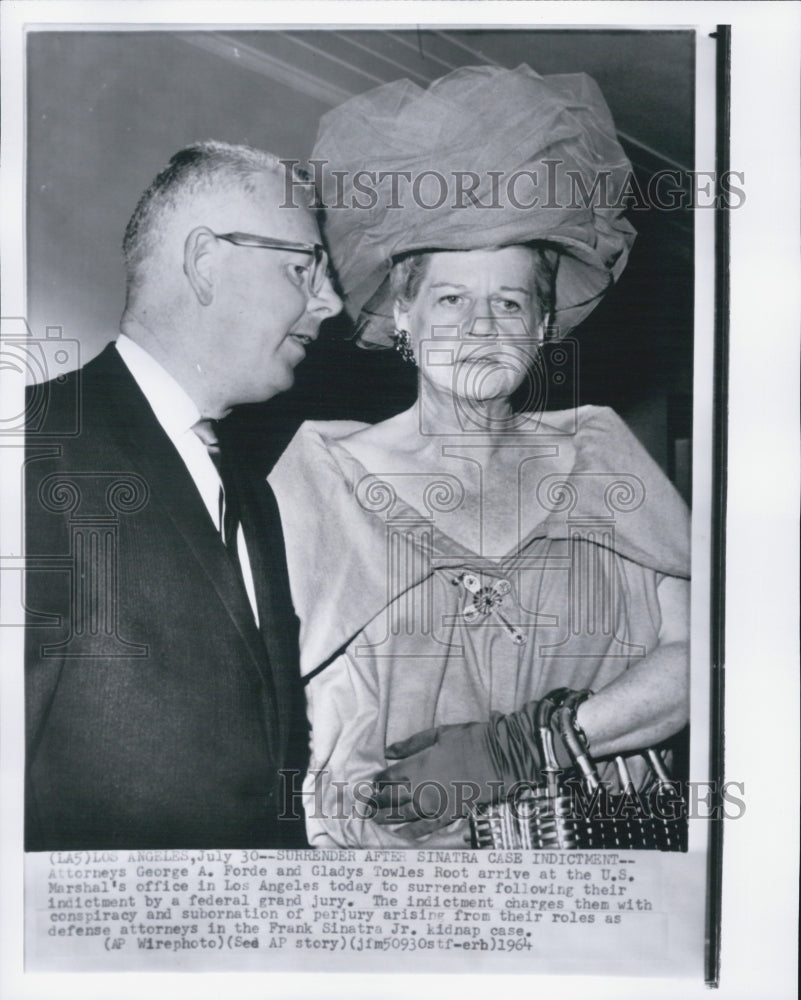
(485, 157)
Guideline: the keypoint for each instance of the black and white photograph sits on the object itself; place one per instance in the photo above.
(366, 548)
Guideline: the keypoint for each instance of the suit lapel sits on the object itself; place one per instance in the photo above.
(142, 438)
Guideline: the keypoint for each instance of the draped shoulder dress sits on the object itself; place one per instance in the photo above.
(403, 628)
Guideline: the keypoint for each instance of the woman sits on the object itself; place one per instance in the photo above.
(456, 563)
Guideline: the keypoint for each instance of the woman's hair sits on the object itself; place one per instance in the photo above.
(409, 270)
(407, 274)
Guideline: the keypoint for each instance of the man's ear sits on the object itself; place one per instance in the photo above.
(198, 260)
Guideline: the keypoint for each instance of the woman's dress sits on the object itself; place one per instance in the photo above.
(403, 628)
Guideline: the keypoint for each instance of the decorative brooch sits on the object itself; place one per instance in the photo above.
(486, 599)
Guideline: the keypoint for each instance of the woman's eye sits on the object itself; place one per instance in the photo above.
(451, 300)
(509, 306)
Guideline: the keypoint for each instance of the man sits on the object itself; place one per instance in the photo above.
(163, 691)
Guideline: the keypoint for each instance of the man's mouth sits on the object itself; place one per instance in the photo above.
(304, 339)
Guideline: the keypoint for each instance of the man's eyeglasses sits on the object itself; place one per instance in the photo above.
(314, 275)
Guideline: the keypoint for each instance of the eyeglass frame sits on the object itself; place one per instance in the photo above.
(316, 251)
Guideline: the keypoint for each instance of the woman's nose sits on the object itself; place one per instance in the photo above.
(483, 323)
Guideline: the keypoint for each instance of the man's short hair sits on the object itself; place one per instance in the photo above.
(203, 167)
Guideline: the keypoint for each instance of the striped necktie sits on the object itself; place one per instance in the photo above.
(229, 521)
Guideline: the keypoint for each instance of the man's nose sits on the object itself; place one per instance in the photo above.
(325, 302)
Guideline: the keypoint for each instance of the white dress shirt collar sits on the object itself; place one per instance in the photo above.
(178, 413)
(174, 409)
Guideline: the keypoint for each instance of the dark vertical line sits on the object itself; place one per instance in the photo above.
(719, 479)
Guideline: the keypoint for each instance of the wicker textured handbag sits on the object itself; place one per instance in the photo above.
(573, 807)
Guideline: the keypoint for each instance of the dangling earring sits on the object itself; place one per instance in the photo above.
(403, 345)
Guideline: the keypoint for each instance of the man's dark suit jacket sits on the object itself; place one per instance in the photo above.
(158, 714)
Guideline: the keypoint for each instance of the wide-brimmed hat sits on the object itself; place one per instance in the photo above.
(485, 157)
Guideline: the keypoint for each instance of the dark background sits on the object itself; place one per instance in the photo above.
(106, 110)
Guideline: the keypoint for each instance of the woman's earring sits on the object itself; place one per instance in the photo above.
(403, 345)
